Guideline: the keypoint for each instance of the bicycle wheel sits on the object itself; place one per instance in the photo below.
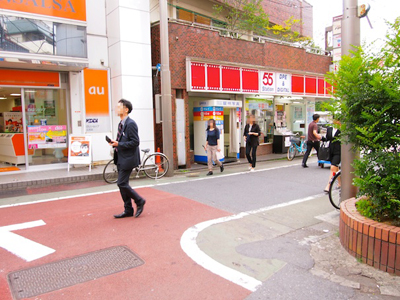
(156, 165)
(291, 152)
(335, 191)
(110, 172)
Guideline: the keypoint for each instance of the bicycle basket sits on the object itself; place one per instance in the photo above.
(295, 140)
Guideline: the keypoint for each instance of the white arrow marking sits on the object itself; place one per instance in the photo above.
(20, 246)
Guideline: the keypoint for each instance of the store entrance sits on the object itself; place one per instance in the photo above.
(33, 128)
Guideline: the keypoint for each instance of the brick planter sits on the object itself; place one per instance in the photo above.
(377, 244)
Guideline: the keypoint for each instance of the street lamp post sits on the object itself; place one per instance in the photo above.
(350, 38)
(166, 96)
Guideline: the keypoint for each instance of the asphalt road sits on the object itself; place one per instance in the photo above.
(272, 183)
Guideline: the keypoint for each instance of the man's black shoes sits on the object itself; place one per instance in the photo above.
(304, 166)
(222, 168)
(210, 173)
(124, 215)
(140, 208)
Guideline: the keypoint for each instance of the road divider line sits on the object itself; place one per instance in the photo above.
(144, 186)
(190, 247)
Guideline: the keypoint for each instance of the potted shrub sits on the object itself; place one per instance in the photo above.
(368, 86)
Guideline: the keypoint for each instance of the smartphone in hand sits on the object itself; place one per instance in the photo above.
(108, 139)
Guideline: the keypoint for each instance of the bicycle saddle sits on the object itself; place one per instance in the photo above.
(146, 150)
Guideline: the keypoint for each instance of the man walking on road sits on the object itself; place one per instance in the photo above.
(127, 157)
(313, 139)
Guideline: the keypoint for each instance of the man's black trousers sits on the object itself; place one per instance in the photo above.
(127, 193)
(310, 145)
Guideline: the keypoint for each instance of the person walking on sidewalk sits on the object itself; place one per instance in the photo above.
(127, 157)
(332, 136)
(212, 147)
(251, 133)
(313, 139)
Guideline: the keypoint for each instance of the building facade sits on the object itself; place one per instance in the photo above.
(63, 67)
(215, 75)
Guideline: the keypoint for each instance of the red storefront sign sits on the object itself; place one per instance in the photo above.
(205, 77)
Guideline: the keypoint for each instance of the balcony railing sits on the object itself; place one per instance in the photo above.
(255, 38)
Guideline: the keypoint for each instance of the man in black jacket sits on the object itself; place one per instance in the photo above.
(127, 157)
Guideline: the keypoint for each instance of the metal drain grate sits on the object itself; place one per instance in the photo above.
(68, 272)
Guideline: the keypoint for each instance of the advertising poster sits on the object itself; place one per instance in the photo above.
(12, 122)
(79, 150)
(48, 136)
(97, 102)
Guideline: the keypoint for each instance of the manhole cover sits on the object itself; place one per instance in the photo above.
(67, 272)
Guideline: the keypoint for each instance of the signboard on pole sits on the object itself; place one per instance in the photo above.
(80, 150)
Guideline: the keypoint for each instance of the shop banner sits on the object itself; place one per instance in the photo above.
(79, 150)
(97, 102)
(204, 77)
(67, 9)
(24, 78)
(49, 136)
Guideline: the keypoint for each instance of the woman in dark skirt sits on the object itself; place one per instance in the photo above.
(251, 133)
(332, 136)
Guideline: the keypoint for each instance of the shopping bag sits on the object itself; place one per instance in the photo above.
(220, 155)
(324, 152)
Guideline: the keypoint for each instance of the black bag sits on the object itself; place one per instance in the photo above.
(324, 152)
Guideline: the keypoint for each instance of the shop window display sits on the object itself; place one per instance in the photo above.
(262, 109)
(46, 121)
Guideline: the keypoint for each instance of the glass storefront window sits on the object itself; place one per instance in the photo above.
(46, 119)
(42, 37)
(263, 111)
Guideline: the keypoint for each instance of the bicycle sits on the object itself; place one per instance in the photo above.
(297, 145)
(335, 190)
(154, 166)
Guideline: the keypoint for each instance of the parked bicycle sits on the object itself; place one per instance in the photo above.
(154, 166)
(335, 190)
(298, 145)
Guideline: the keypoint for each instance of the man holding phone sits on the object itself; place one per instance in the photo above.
(127, 157)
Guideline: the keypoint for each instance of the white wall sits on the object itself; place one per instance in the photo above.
(129, 48)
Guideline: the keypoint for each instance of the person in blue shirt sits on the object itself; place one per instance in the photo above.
(212, 146)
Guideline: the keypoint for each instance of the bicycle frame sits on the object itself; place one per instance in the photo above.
(299, 148)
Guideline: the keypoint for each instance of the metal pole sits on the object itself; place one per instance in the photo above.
(350, 37)
(168, 146)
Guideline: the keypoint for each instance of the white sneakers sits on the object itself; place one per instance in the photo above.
(251, 169)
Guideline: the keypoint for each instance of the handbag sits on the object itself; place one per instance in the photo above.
(324, 152)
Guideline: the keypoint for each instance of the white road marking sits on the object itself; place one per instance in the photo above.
(20, 246)
(190, 247)
(144, 186)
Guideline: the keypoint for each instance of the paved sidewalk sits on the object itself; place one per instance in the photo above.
(295, 252)
(23, 179)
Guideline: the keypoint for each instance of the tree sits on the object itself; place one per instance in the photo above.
(243, 15)
(367, 86)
